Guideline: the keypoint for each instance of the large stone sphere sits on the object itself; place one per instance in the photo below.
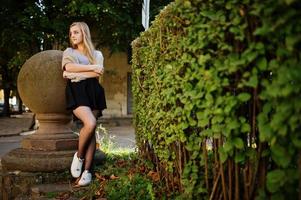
(40, 83)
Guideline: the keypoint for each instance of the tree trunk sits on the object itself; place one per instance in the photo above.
(6, 102)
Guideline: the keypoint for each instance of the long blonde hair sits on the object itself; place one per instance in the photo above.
(88, 45)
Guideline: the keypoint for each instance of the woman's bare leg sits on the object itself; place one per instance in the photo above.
(85, 114)
(89, 157)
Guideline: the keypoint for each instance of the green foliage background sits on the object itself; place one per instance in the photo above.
(217, 89)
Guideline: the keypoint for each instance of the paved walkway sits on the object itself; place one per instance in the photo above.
(14, 129)
(12, 126)
(10, 130)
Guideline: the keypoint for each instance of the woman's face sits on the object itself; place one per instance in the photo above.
(76, 35)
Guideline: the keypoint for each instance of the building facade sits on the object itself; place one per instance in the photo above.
(117, 84)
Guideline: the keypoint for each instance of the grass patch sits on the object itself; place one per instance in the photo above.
(51, 194)
(124, 176)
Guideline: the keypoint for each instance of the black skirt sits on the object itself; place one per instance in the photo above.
(85, 93)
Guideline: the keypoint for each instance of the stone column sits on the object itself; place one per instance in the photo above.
(42, 89)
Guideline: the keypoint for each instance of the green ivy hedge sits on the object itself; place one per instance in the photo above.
(217, 98)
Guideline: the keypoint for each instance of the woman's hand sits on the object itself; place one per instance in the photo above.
(99, 69)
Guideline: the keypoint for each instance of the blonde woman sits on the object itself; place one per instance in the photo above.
(82, 65)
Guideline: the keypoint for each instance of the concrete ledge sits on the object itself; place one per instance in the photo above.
(17, 185)
(37, 161)
(38, 191)
(50, 144)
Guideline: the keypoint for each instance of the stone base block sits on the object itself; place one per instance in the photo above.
(42, 143)
(42, 161)
(18, 179)
(37, 161)
(17, 185)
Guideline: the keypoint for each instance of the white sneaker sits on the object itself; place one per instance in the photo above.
(76, 166)
(85, 179)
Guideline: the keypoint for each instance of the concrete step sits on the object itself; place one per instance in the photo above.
(35, 185)
(42, 191)
(17, 184)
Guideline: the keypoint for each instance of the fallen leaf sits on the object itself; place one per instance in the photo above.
(100, 177)
(100, 192)
(63, 196)
(121, 163)
(154, 175)
(142, 168)
(132, 171)
(113, 177)
(130, 176)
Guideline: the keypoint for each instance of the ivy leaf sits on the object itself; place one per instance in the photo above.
(282, 51)
(238, 143)
(228, 146)
(217, 119)
(262, 63)
(267, 107)
(296, 141)
(265, 133)
(290, 41)
(252, 82)
(202, 190)
(275, 179)
(278, 196)
(192, 122)
(259, 46)
(242, 119)
(195, 153)
(187, 169)
(233, 125)
(239, 157)
(246, 128)
(203, 122)
(262, 30)
(289, 2)
(189, 146)
(203, 59)
(184, 125)
(280, 155)
(251, 154)
(216, 128)
(244, 97)
(207, 132)
(226, 132)
(222, 154)
(251, 55)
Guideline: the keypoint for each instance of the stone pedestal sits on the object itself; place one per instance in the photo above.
(50, 148)
(54, 134)
(42, 88)
(26, 160)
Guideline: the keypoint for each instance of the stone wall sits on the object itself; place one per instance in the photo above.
(1, 96)
(115, 82)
